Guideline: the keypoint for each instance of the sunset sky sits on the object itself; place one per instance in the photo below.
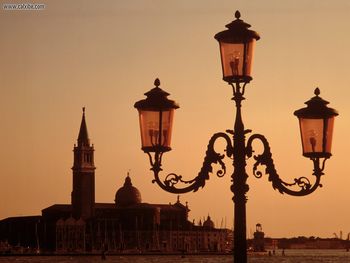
(104, 55)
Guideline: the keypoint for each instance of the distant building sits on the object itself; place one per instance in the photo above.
(259, 239)
(127, 225)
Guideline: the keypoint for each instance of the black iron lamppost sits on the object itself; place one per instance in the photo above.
(316, 128)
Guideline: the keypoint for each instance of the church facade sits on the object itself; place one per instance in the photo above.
(126, 226)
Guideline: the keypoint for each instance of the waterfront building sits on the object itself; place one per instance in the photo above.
(127, 225)
(259, 239)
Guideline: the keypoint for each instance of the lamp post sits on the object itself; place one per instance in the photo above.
(315, 121)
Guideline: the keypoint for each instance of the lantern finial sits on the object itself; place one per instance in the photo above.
(237, 15)
(317, 91)
(157, 82)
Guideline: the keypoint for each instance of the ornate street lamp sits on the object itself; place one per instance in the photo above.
(156, 114)
(156, 120)
(237, 49)
(316, 128)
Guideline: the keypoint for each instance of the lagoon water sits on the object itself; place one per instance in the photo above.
(291, 256)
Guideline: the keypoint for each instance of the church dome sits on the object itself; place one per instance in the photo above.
(127, 195)
(208, 223)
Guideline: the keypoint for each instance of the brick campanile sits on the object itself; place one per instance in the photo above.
(83, 194)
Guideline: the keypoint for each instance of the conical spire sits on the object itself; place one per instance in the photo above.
(83, 137)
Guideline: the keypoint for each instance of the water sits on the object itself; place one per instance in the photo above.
(291, 256)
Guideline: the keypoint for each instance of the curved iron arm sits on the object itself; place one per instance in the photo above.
(265, 158)
(171, 181)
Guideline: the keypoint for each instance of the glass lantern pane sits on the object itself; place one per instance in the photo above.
(237, 59)
(156, 129)
(312, 136)
(149, 122)
(329, 134)
(249, 57)
(167, 121)
(232, 59)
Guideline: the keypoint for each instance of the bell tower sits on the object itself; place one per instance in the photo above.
(83, 194)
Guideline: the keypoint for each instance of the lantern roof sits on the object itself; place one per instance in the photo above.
(237, 31)
(316, 108)
(156, 100)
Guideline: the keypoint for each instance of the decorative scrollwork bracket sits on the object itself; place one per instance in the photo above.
(172, 182)
(265, 159)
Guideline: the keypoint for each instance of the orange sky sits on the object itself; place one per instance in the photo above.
(104, 56)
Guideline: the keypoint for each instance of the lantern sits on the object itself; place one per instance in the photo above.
(237, 49)
(156, 114)
(316, 127)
